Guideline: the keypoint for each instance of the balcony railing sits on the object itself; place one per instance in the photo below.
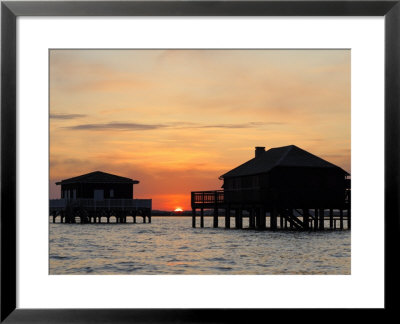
(208, 197)
(105, 203)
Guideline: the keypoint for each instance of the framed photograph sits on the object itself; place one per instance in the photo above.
(190, 152)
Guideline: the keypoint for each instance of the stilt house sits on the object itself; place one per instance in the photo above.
(286, 176)
(96, 195)
(288, 182)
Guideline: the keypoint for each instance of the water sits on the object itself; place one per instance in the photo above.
(172, 246)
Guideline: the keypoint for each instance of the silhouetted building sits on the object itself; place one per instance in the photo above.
(96, 195)
(97, 185)
(286, 176)
(286, 181)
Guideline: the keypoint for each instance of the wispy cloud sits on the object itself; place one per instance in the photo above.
(245, 125)
(116, 126)
(66, 116)
(182, 125)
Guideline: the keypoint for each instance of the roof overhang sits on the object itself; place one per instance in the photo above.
(97, 182)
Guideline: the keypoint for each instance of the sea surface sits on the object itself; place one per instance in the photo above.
(169, 245)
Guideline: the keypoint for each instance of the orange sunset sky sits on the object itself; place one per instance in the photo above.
(178, 119)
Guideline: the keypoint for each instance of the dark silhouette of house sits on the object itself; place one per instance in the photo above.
(97, 185)
(96, 195)
(286, 176)
(286, 181)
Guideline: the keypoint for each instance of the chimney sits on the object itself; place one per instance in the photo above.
(259, 150)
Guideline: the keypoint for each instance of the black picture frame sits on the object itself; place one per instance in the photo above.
(10, 10)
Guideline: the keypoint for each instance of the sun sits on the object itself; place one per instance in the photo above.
(178, 209)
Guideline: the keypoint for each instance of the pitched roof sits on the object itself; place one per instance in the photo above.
(288, 156)
(97, 177)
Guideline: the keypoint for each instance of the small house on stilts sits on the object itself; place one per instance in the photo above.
(94, 195)
(288, 186)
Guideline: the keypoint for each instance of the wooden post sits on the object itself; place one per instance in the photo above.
(306, 219)
(257, 216)
(201, 217)
(273, 219)
(149, 216)
(331, 218)
(251, 218)
(108, 219)
(322, 219)
(238, 219)
(349, 218)
(215, 218)
(341, 219)
(227, 217)
(315, 219)
(280, 220)
(194, 217)
(290, 212)
(262, 218)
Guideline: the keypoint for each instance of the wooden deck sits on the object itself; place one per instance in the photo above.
(208, 199)
(92, 211)
(261, 217)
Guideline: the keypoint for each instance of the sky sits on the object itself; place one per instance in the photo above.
(178, 119)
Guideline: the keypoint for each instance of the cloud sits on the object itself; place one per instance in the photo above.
(245, 125)
(116, 126)
(55, 161)
(181, 125)
(66, 116)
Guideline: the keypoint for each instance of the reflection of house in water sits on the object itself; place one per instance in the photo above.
(98, 194)
(287, 183)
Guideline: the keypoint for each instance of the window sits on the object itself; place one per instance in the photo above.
(111, 193)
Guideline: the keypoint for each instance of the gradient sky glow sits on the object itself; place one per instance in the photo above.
(178, 119)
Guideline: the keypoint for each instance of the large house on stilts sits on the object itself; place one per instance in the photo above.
(94, 195)
(288, 184)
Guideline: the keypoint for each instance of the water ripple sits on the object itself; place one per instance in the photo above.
(172, 246)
